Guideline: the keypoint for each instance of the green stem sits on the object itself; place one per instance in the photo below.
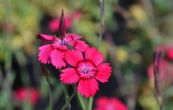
(50, 94)
(46, 76)
(81, 101)
(66, 105)
(67, 98)
(90, 103)
(101, 22)
(50, 100)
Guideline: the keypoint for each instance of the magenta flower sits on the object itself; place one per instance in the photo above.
(29, 94)
(169, 53)
(54, 23)
(86, 68)
(104, 103)
(54, 52)
(165, 64)
(165, 71)
(167, 50)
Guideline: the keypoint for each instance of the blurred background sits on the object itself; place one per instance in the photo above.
(133, 30)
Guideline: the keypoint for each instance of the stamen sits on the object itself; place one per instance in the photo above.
(86, 68)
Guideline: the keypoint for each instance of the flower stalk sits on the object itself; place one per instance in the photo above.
(46, 76)
(157, 56)
(81, 101)
(67, 98)
(101, 22)
(90, 104)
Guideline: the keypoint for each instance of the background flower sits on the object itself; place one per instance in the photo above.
(54, 23)
(105, 103)
(27, 94)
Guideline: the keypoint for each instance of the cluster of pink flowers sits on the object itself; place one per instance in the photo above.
(78, 62)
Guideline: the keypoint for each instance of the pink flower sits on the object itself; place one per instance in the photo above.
(54, 51)
(105, 103)
(165, 65)
(165, 70)
(167, 50)
(169, 53)
(77, 15)
(87, 68)
(54, 23)
(29, 94)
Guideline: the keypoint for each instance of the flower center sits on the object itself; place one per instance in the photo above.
(61, 44)
(86, 69)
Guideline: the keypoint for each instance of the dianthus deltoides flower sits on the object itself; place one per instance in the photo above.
(29, 94)
(104, 103)
(86, 68)
(54, 52)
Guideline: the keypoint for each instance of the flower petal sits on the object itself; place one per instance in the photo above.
(44, 54)
(88, 87)
(104, 72)
(47, 38)
(73, 57)
(80, 45)
(69, 76)
(70, 37)
(73, 40)
(57, 59)
(94, 55)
